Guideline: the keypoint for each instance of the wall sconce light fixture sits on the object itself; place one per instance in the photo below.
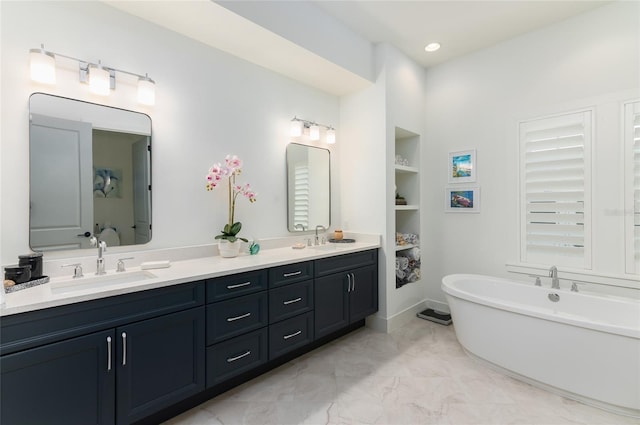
(101, 79)
(43, 66)
(331, 136)
(298, 127)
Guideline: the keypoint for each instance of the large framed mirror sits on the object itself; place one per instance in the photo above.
(308, 187)
(90, 174)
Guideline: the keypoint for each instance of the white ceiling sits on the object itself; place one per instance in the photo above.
(460, 26)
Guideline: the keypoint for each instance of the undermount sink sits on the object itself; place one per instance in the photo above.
(93, 282)
(326, 247)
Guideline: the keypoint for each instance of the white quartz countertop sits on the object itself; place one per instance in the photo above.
(183, 271)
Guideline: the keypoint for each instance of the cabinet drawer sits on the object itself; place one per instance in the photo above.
(290, 300)
(222, 288)
(345, 262)
(235, 356)
(290, 334)
(290, 273)
(230, 318)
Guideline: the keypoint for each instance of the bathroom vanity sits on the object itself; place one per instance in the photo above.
(152, 352)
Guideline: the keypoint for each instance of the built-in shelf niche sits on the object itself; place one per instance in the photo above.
(407, 183)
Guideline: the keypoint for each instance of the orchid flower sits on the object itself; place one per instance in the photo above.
(231, 169)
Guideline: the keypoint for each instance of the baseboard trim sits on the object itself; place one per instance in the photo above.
(389, 324)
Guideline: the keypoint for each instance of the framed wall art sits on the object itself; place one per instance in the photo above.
(462, 167)
(462, 199)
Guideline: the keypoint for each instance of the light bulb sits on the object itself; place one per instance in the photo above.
(99, 80)
(296, 128)
(432, 47)
(146, 91)
(331, 136)
(42, 66)
(314, 132)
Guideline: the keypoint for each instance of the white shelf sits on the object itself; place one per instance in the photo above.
(405, 247)
(406, 169)
(407, 208)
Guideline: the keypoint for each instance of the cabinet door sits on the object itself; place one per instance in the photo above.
(331, 304)
(160, 362)
(68, 382)
(363, 298)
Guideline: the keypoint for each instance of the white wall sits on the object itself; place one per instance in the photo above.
(309, 26)
(367, 162)
(208, 104)
(591, 60)
(405, 108)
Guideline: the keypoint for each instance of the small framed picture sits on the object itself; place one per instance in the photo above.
(462, 166)
(462, 199)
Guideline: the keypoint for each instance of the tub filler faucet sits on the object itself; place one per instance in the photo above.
(553, 274)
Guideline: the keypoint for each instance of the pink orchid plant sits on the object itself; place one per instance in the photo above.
(230, 170)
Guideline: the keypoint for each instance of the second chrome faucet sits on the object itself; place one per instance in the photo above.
(553, 274)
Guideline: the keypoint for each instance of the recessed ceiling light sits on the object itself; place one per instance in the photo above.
(432, 47)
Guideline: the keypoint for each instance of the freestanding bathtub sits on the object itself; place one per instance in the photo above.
(583, 346)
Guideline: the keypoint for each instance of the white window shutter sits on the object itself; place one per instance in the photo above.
(301, 196)
(555, 190)
(632, 185)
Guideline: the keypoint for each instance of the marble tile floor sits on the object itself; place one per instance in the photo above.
(418, 374)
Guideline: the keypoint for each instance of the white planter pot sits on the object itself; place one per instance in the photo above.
(229, 249)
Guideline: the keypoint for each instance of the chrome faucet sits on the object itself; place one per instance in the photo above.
(553, 274)
(323, 229)
(102, 247)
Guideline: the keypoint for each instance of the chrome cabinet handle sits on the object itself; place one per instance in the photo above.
(124, 348)
(292, 301)
(233, 359)
(292, 335)
(348, 282)
(239, 285)
(108, 353)
(233, 319)
(292, 274)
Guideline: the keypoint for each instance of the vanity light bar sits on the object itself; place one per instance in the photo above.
(298, 126)
(101, 79)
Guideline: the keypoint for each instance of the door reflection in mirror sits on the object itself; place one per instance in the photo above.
(89, 174)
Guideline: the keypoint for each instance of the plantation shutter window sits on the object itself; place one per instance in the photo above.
(301, 196)
(632, 185)
(555, 190)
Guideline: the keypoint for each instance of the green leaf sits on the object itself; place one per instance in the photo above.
(230, 231)
(235, 228)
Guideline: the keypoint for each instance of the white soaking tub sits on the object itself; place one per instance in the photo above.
(583, 346)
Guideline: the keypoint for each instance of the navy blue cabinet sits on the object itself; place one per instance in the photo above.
(345, 291)
(145, 355)
(159, 361)
(237, 319)
(67, 382)
(125, 371)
